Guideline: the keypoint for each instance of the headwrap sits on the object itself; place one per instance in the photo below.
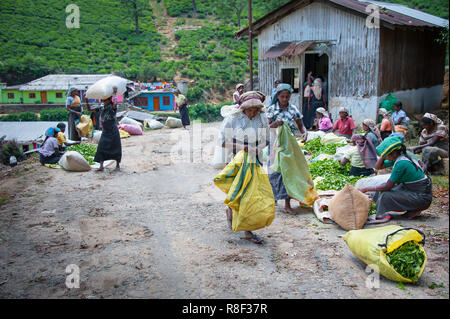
(251, 99)
(51, 131)
(239, 85)
(366, 150)
(343, 109)
(389, 145)
(373, 127)
(317, 88)
(386, 114)
(284, 87)
(71, 90)
(321, 110)
(176, 91)
(434, 118)
(383, 112)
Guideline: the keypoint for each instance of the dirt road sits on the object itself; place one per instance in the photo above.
(157, 229)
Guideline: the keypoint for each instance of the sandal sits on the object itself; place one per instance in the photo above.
(255, 238)
(385, 219)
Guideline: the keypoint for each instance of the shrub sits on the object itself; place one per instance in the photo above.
(205, 112)
(56, 115)
(28, 117)
(11, 148)
(10, 118)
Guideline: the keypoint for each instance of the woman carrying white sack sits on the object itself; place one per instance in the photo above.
(246, 129)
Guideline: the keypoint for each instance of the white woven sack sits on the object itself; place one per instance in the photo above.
(74, 161)
(103, 88)
(173, 122)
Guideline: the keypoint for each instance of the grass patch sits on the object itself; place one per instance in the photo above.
(440, 181)
(165, 114)
(3, 200)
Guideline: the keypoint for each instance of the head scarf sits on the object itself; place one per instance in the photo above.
(317, 88)
(239, 85)
(389, 145)
(373, 127)
(72, 89)
(321, 110)
(251, 99)
(386, 114)
(176, 91)
(366, 150)
(284, 87)
(343, 109)
(51, 131)
(434, 118)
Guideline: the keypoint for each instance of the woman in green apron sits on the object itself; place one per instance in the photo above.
(408, 188)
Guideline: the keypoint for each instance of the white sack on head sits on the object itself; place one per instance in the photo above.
(103, 88)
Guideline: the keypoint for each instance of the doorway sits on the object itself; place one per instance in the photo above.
(43, 97)
(156, 103)
(318, 65)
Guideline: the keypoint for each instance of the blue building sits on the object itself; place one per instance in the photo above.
(155, 100)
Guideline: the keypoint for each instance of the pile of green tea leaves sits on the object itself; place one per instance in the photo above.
(86, 150)
(335, 176)
(316, 148)
(373, 208)
(407, 260)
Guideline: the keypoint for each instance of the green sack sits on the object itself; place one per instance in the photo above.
(291, 163)
(389, 102)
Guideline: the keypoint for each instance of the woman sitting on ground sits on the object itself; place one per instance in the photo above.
(49, 150)
(362, 157)
(322, 121)
(250, 119)
(408, 188)
(372, 132)
(345, 125)
(433, 140)
(387, 126)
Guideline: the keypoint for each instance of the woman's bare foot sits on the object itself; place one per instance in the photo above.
(287, 207)
(253, 237)
(101, 169)
(117, 169)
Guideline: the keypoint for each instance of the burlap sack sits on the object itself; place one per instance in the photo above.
(350, 208)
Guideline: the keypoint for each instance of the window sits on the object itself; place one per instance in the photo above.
(10, 95)
(290, 76)
(166, 100)
(141, 101)
(59, 95)
(32, 95)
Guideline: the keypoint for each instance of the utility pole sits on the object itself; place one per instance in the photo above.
(250, 42)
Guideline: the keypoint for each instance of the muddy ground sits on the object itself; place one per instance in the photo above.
(157, 229)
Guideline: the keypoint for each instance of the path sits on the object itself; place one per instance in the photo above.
(157, 229)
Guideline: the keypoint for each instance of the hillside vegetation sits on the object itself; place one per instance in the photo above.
(177, 39)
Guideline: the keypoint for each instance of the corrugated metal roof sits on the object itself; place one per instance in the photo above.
(26, 132)
(393, 15)
(62, 82)
(400, 8)
(287, 49)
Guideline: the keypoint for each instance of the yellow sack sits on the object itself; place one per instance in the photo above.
(249, 193)
(83, 126)
(124, 134)
(371, 246)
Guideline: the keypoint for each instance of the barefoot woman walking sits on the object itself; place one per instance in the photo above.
(109, 146)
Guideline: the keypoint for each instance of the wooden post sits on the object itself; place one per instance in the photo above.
(250, 42)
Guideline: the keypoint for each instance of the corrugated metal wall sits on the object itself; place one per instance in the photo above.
(353, 61)
(410, 60)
